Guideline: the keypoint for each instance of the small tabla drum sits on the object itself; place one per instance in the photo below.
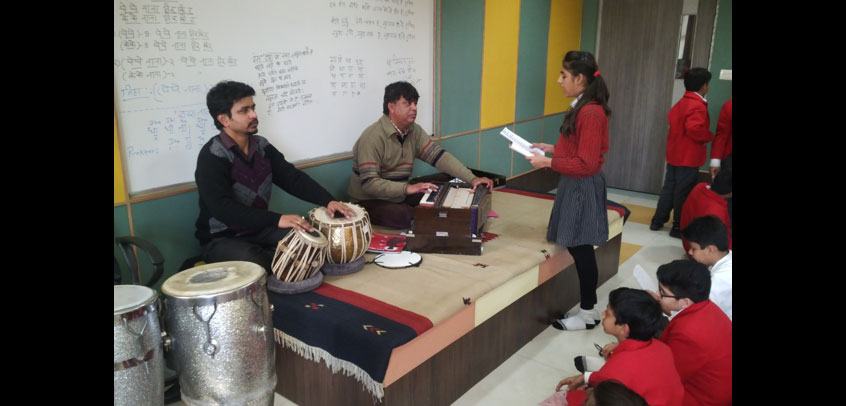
(139, 364)
(348, 239)
(299, 255)
(218, 320)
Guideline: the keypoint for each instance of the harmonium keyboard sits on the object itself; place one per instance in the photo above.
(450, 220)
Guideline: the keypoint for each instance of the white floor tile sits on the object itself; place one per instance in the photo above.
(518, 381)
(616, 197)
(633, 194)
(643, 202)
(556, 349)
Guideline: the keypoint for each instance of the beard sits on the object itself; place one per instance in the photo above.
(251, 131)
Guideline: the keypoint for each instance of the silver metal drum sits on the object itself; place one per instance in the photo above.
(139, 366)
(218, 320)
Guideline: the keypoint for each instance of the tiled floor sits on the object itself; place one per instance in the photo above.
(530, 375)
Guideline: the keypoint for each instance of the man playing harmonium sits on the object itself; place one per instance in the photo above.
(383, 160)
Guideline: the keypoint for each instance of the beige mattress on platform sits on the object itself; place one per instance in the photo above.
(516, 264)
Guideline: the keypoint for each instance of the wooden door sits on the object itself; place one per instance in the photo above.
(638, 46)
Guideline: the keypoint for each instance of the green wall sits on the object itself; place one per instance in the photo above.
(720, 90)
(720, 59)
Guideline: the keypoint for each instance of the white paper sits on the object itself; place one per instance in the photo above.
(519, 144)
(518, 148)
(644, 280)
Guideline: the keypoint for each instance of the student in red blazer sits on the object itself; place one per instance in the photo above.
(721, 147)
(640, 362)
(579, 219)
(699, 333)
(686, 152)
(705, 200)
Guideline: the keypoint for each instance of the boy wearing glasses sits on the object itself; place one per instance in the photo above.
(699, 333)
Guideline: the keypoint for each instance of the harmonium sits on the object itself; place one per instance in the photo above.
(452, 219)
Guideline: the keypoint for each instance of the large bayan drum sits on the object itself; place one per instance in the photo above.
(299, 255)
(348, 239)
(139, 365)
(218, 319)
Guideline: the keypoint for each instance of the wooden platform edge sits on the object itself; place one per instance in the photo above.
(453, 371)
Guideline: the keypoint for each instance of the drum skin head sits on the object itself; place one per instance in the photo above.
(322, 214)
(131, 297)
(402, 259)
(212, 279)
(317, 238)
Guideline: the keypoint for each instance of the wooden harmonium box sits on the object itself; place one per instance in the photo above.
(450, 220)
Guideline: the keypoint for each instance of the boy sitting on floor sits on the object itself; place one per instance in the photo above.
(640, 362)
(709, 245)
(699, 333)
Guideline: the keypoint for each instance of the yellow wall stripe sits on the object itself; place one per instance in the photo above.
(120, 189)
(565, 28)
(499, 62)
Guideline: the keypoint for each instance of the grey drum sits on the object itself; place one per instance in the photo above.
(139, 366)
(218, 320)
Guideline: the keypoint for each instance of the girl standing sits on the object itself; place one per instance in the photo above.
(579, 219)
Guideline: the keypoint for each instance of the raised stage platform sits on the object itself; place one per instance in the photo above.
(516, 287)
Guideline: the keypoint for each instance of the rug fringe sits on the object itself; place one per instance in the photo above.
(335, 364)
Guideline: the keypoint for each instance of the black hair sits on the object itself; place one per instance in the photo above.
(395, 90)
(583, 63)
(707, 230)
(223, 95)
(612, 392)
(722, 182)
(686, 279)
(695, 78)
(638, 309)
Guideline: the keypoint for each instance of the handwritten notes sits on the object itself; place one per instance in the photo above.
(374, 19)
(346, 75)
(317, 67)
(281, 81)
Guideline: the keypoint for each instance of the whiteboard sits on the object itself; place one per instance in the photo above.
(319, 69)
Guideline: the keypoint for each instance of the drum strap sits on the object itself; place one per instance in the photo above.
(134, 362)
(210, 347)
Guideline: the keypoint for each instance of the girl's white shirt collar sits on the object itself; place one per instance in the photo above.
(576, 100)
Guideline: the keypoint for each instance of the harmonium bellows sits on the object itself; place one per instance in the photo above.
(451, 222)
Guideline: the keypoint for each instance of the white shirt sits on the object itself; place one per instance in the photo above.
(721, 284)
(576, 100)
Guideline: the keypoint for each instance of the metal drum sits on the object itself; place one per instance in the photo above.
(348, 239)
(218, 319)
(139, 366)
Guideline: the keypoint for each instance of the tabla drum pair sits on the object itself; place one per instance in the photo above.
(219, 326)
(336, 247)
(139, 363)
